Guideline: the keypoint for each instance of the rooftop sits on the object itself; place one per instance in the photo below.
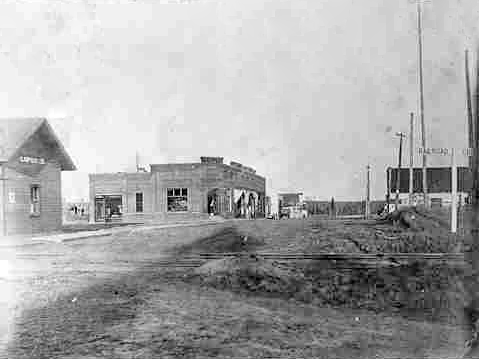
(15, 132)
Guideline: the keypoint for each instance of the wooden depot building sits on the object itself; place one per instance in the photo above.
(173, 190)
(31, 159)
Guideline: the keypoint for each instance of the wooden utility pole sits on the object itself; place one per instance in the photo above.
(398, 178)
(421, 105)
(411, 159)
(470, 122)
(368, 192)
(471, 249)
(475, 148)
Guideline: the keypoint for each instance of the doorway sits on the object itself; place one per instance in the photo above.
(108, 208)
(99, 208)
(212, 200)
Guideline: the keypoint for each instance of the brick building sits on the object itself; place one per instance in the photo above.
(178, 189)
(32, 159)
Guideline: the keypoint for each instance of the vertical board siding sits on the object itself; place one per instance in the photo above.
(19, 219)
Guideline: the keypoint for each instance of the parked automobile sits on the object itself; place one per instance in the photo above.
(298, 211)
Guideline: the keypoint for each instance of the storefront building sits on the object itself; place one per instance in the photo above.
(208, 187)
(32, 159)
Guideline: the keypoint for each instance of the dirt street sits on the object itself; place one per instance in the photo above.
(107, 298)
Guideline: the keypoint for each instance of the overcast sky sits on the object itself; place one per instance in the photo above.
(305, 91)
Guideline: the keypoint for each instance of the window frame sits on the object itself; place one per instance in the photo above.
(171, 192)
(35, 200)
(137, 208)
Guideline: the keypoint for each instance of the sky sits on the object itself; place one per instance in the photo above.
(307, 92)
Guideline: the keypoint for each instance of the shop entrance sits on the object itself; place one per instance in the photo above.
(108, 208)
(212, 199)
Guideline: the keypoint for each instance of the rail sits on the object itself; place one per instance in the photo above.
(348, 260)
(339, 260)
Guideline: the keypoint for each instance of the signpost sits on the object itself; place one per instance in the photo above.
(445, 152)
(453, 193)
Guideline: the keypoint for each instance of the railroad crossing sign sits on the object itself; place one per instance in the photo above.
(449, 152)
(444, 151)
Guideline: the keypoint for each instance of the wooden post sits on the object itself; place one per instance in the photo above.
(368, 192)
(453, 193)
(475, 148)
(389, 186)
(411, 159)
(470, 122)
(471, 245)
(421, 106)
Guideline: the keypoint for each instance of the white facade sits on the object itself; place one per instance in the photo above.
(442, 198)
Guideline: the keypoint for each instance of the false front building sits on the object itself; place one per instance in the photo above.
(31, 159)
(179, 189)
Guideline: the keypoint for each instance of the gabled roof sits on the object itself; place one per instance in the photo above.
(15, 132)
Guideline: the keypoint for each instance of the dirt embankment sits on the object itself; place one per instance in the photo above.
(432, 292)
(226, 240)
(410, 230)
(423, 290)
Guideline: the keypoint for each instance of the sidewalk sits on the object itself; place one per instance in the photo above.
(66, 237)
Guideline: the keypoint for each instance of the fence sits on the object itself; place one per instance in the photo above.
(342, 208)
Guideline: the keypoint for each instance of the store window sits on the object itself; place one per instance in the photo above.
(177, 199)
(436, 202)
(139, 202)
(35, 200)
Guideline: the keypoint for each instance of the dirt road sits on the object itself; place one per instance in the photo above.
(105, 298)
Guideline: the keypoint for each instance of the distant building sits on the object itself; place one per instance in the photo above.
(289, 199)
(438, 182)
(291, 205)
(73, 211)
(32, 159)
(208, 187)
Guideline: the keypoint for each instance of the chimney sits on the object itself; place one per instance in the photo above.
(214, 160)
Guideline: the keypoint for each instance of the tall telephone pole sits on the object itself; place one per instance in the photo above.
(411, 159)
(471, 250)
(475, 148)
(421, 105)
(398, 178)
(470, 122)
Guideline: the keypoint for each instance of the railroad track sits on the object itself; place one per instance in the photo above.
(339, 260)
(344, 260)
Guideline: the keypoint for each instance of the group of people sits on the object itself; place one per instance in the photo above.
(245, 206)
(77, 210)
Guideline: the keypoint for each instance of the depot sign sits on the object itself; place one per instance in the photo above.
(442, 151)
(32, 160)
